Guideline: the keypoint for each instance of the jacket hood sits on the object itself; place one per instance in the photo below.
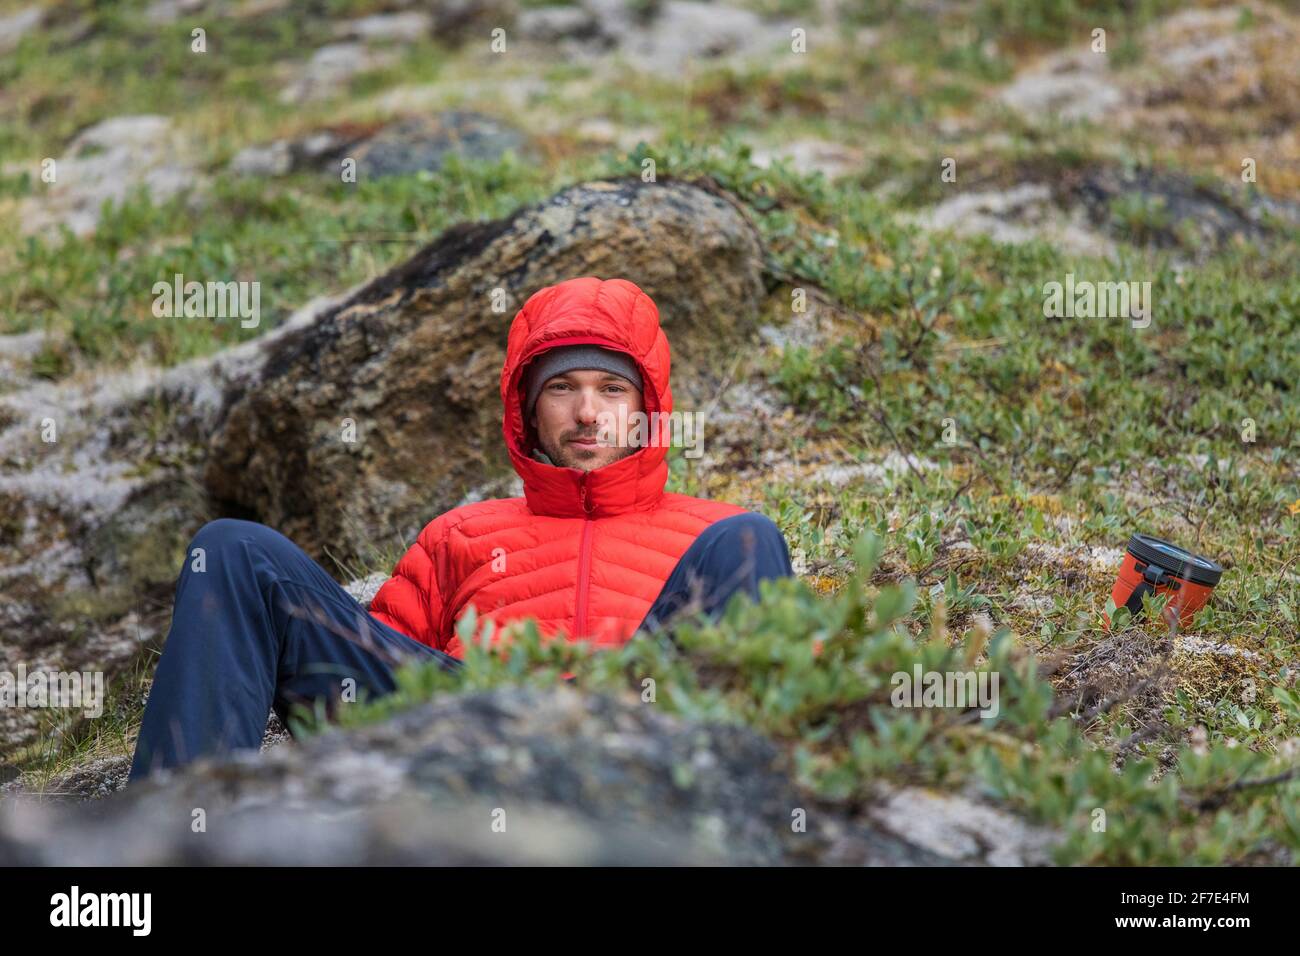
(614, 314)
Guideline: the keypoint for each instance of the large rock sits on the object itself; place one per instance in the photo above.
(510, 776)
(414, 359)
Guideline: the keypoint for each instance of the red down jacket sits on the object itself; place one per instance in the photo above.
(585, 553)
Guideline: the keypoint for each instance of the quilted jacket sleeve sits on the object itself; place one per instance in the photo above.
(411, 600)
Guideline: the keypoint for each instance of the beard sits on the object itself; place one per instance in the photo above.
(565, 455)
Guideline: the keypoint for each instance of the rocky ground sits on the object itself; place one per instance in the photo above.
(481, 175)
(513, 777)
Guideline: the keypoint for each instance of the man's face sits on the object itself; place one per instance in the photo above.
(575, 408)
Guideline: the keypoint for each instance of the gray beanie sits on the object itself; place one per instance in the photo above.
(568, 358)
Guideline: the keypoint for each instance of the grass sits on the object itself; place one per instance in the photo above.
(96, 291)
(1040, 444)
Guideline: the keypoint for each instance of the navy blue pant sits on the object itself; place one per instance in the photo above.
(258, 625)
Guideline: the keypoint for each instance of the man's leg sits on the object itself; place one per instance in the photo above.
(257, 624)
(729, 556)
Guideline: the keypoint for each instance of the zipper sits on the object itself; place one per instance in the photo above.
(584, 563)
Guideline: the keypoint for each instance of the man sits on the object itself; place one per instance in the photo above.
(594, 550)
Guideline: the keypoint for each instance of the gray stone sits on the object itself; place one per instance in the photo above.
(1069, 86)
(1016, 215)
(16, 354)
(106, 163)
(959, 829)
(409, 25)
(492, 91)
(575, 779)
(330, 68)
(169, 11)
(274, 159)
(1214, 214)
(1077, 212)
(664, 36)
(551, 24)
(685, 31)
(314, 150)
(601, 130)
(420, 144)
(17, 25)
(811, 156)
(365, 589)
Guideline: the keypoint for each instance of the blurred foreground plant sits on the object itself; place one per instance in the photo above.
(816, 673)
